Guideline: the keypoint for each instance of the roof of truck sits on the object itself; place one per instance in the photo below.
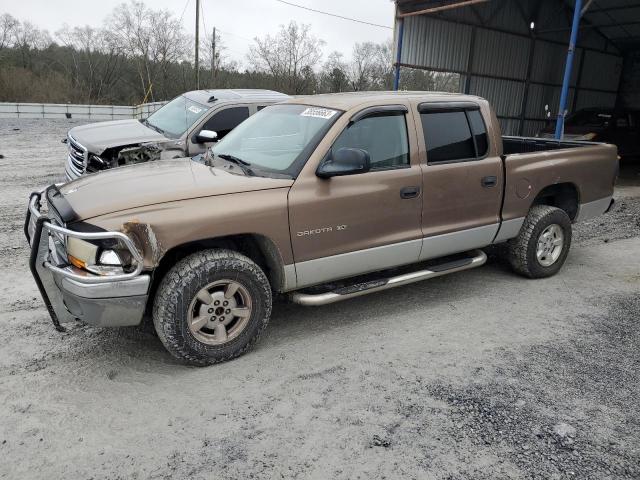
(348, 100)
(236, 94)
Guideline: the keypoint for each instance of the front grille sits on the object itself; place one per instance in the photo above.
(77, 156)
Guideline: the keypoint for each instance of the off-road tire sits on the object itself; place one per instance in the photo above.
(180, 285)
(521, 251)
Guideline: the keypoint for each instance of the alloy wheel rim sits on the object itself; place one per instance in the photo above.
(219, 312)
(550, 245)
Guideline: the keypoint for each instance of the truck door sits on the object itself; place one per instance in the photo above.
(349, 225)
(463, 178)
(221, 122)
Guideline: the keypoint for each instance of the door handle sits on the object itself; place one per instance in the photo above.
(409, 192)
(490, 181)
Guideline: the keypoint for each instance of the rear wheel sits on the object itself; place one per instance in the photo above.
(212, 306)
(542, 246)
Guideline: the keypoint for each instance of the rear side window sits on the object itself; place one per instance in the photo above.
(479, 132)
(384, 137)
(454, 135)
(226, 120)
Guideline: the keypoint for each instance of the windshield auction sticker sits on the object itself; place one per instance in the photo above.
(318, 112)
(194, 109)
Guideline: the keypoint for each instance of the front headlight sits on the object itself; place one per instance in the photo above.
(93, 258)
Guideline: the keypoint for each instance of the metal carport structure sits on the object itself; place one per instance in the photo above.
(513, 52)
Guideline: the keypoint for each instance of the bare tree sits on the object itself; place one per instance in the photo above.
(362, 66)
(8, 28)
(334, 74)
(96, 60)
(169, 43)
(27, 38)
(382, 74)
(288, 56)
(154, 38)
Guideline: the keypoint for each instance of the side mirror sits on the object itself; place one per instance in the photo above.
(346, 161)
(206, 136)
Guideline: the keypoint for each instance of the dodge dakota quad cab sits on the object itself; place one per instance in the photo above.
(322, 198)
(184, 127)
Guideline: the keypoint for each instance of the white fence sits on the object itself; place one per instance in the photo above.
(85, 112)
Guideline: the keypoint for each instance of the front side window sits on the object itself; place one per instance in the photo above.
(176, 117)
(384, 137)
(278, 138)
(226, 120)
(454, 135)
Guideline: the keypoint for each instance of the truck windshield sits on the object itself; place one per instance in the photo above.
(176, 117)
(278, 138)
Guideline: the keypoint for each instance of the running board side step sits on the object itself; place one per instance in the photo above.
(477, 259)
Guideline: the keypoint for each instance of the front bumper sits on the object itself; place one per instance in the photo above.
(73, 294)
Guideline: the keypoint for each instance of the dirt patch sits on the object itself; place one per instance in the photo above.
(623, 221)
(561, 410)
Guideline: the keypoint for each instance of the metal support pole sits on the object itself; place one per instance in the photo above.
(527, 85)
(472, 48)
(567, 70)
(396, 78)
(197, 44)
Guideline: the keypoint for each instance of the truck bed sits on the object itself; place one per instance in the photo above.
(511, 145)
(572, 169)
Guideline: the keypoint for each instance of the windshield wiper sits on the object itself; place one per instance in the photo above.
(244, 165)
(152, 126)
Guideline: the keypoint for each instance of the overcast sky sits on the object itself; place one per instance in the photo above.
(238, 20)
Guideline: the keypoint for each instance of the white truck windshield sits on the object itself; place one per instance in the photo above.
(176, 117)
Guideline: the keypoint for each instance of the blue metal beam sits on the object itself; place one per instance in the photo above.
(396, 78)
(567, 70)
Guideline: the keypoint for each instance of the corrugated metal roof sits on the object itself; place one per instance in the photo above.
(513, 58)
(541, 96)
(601, 71)
(501, 45)
(548, 63)
(587, 98)
(605, 19)
(505, 95)
(433, 43)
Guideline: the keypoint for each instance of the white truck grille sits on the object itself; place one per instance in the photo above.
(77, 157)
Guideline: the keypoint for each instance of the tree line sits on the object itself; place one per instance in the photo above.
(144, 54)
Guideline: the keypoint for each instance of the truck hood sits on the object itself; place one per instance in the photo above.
(156, 182)
(97, 137)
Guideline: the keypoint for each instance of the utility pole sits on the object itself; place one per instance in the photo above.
(197, 44)
(213, 58)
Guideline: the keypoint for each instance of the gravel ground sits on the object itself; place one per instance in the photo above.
(477, 375)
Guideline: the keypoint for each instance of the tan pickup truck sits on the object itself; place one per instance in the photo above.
(323, 198)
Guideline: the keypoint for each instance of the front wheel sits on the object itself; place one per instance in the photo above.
(542, 246)
(212, 306)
